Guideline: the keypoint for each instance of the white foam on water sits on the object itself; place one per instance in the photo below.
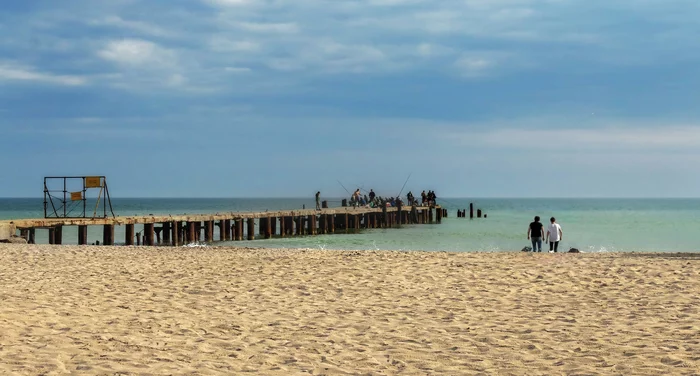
(196, 245)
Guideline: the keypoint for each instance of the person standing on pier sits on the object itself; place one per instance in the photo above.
(318, 200)
(554, 234)
(371, 195)
(535, 233)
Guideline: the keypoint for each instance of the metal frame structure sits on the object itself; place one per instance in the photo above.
(57, 206)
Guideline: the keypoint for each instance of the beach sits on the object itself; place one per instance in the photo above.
(227, 310)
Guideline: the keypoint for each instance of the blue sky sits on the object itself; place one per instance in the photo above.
(271, 98)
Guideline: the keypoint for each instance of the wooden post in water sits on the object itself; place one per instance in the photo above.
(273, 224)
(32, 236)
(82, 235)
(251, 228)
(108, 235)
(227, 229)
(268, 227)
(138, 239)
(238, 233)
(283, 228)
(311, 224)
(222, 230)
(58, 237)
(52, 235)
(431, 218)
(129, 235)
(399, 214)
(289, 225)
(166, 233)
(190, 233)
(331, 225)
(471, 210)
(207, 228)
(478, 213)
(385, 217)
(148, 231)
(321, 224)
(175, 231)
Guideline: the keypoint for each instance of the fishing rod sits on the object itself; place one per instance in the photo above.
(362, 188)
(404, 184)
(346, 190)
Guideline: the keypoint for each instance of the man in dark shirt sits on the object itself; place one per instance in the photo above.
(534, 233)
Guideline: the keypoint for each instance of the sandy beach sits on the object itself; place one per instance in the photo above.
(139, 311)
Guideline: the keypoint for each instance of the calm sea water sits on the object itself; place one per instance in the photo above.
(591, 225)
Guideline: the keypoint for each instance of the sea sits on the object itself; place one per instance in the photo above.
(590, 225)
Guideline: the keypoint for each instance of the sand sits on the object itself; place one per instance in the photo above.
(130, 310)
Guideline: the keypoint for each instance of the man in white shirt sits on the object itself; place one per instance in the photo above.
(554, 235)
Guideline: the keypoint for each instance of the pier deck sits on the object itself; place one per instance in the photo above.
(229, 226)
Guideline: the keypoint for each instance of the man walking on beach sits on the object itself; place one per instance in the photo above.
(318, 200)
(534, 233)
(554, 235)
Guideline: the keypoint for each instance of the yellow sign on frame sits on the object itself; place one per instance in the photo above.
(93, 182)
(76, 196)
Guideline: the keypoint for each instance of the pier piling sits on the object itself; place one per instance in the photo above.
(251, 228)
(108, 235)
(166, 232)
(82, 235)
(129, 236)
(175, 231)
(148, 232)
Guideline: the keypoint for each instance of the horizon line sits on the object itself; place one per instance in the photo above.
(343, 197)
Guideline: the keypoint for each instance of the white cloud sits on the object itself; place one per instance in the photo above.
(539, 134)
(135, 52)
(475, 64)
(138, 26)
(191, 44)
(332, 57)
(10, 72)
(229, 3)
(433, 50)
(224, 44)
(237, 69)
(472, 66)
(264, 27)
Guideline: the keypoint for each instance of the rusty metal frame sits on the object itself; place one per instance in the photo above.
(56, 206)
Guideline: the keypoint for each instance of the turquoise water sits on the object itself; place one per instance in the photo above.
(591, 225)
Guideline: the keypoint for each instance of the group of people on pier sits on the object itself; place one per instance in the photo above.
(372, 200)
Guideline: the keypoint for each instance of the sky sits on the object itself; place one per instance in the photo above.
(273, 98)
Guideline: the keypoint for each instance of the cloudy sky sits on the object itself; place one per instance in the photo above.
(268, 98)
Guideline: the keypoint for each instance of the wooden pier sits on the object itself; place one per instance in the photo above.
(178, 230)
